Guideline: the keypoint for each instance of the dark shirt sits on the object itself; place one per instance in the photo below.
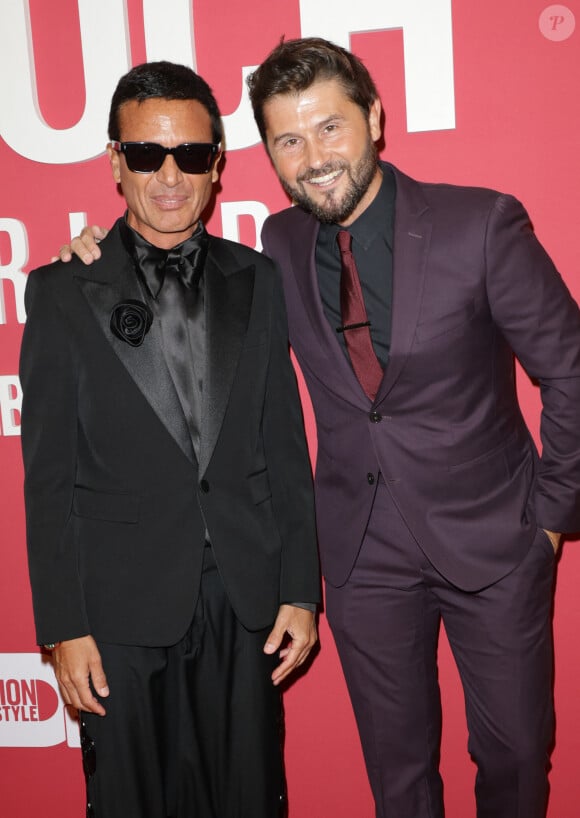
(182, 329)
(372, 247)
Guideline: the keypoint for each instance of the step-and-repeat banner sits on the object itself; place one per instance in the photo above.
(475, 93)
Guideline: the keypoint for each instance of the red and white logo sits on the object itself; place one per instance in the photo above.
(32, 713)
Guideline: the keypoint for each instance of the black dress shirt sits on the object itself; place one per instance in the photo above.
(190, 356)
(372, 247)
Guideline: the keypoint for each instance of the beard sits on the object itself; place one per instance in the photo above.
(334, 210)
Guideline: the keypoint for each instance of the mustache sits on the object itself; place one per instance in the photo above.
(316, 173)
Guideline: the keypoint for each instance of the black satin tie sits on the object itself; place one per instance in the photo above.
(179, 309)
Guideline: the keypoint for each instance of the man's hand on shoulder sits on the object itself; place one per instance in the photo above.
(85, 246)
(75, 662)
(299, 624)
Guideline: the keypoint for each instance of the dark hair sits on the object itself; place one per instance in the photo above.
(295, 65)
(163, 80)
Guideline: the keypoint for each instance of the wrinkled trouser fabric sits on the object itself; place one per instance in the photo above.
(386, 620)
(194, 729)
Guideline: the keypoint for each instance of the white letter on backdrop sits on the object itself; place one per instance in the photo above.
(10, 404)
(13, 271)
(169, 34)
(169, 31)
(231, 211)
(428, 48)
(106, 56)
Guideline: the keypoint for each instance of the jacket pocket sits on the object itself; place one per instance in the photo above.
(446, 323)
(99, 505)
(500, 448)
(260, 486)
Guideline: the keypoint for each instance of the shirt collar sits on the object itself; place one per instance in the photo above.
(373, 220)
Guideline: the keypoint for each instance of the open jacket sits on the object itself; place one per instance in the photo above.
(116, 502)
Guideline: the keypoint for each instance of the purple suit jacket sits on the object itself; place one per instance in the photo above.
(471, 287)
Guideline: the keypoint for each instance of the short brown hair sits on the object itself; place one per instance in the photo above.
(295, 65)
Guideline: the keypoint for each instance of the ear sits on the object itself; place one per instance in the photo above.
(215, 171)
(115, 160)
(375, 119)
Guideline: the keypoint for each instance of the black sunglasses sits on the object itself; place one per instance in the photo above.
(147, 157)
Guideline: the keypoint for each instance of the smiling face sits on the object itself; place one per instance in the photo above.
(322, 147)
(164, 206)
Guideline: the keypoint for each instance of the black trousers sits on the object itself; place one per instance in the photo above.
(193, 730)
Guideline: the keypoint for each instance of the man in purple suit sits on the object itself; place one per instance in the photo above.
(406, 303)
(432, 501)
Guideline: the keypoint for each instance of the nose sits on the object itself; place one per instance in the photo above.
(169, 173)
(316, 153)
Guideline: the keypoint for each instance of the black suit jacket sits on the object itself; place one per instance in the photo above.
(116, 502)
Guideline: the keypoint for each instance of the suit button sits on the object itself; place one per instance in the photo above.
(204, 486)
(370, 478)
(375, 417)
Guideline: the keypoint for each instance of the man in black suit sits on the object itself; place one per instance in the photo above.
(168, 494)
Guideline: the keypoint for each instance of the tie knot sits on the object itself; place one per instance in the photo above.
(344, 240)
(185, 262)
(187, 269)
(172, 263)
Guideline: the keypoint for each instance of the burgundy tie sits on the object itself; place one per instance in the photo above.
(356, 325)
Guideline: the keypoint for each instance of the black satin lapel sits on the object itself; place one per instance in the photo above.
(146, 363)
(228, 301)
(412, 236)
(336, 370)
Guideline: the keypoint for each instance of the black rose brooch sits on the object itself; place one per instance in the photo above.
(130, 321)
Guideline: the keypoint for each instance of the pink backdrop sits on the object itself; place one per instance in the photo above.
(476, 93)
